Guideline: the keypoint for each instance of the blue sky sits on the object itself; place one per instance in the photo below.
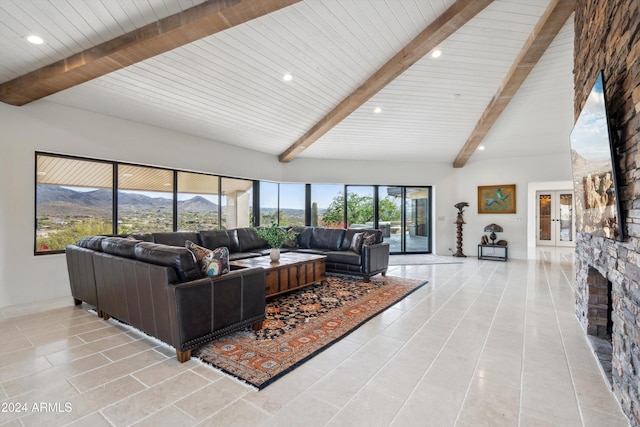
(590, 135)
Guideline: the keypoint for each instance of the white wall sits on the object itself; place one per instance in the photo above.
(520, 171)
(44, 126)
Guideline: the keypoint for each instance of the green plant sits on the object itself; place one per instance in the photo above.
(276, 236)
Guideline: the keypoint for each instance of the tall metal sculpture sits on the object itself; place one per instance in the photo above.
(459, 221)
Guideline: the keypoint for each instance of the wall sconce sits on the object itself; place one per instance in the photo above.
(493, 229)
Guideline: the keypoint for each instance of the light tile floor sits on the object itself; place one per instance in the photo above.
(485, 343)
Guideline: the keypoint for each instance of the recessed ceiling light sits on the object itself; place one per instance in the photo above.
(481, 147)
(32, 38)
(287, 77)
(377, 110)
(436, 53)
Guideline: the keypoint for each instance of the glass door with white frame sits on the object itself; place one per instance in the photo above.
(555, 218)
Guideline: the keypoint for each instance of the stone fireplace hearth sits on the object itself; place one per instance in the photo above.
(607, 301)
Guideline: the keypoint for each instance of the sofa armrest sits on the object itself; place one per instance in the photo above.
(211, 307)
(375, 258)
(82, 274)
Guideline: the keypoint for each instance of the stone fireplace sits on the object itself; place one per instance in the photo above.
(607, 37)
(599, 323)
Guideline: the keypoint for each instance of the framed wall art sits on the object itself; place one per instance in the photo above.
(497, 199)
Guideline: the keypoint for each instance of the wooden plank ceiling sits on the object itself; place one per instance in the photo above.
(153, 39)
(346, 58)
(437, 32)
(545, 32)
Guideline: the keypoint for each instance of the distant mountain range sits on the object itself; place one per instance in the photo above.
(63, 202)
(583, 167)
(56, 200)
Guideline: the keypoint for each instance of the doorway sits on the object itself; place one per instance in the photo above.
(404, 217)
(555, 218)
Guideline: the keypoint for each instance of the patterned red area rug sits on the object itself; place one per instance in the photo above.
(301, 324)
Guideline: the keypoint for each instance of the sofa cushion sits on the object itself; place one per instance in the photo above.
(178, 238)
(348, 238)
(304, 236)
(178, 258)
(356, 242)
(120, 246)
(212, 239)
(249, 240)
(344, 257)
(145, 237)
(211, 262)
(91, 242)
(327, 238)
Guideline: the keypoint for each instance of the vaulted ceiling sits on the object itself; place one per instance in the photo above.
(216, 69)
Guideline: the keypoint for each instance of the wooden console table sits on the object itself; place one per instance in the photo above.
(294, 270)
(493, 252)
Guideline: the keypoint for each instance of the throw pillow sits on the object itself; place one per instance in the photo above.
(212, 263)
(369, 239)
(291, 243)
(356, 242)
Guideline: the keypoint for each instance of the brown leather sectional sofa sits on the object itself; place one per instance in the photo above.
(152, 282)
(158, 289)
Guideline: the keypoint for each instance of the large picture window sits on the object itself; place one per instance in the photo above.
(198, 200)
(74, 198)
(268, 203)
(360, 206)
(237, 203)
(292, 202)
(145, 199)
(327, 205)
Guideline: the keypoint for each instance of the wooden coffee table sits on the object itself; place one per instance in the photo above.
(293, 271)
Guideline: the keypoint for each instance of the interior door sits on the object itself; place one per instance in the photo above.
(555, 218)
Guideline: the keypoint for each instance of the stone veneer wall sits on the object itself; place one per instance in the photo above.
(607, 37)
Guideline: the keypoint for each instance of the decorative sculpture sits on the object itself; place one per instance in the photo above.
(459, 221)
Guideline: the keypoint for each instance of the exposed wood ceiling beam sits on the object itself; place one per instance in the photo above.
(438, 31)
(159, 37)
(543, 34)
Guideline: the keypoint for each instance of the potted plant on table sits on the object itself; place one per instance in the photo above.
(276, 237)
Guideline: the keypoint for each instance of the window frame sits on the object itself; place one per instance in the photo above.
(255, 196)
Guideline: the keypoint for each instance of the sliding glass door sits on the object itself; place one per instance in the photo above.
(404, 218)
(390, 216)
(416, 219)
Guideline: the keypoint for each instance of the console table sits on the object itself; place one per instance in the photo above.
(493, 252)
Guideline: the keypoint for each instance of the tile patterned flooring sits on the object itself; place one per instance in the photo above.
(485, 343)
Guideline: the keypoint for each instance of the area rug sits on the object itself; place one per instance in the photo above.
(301, 324)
